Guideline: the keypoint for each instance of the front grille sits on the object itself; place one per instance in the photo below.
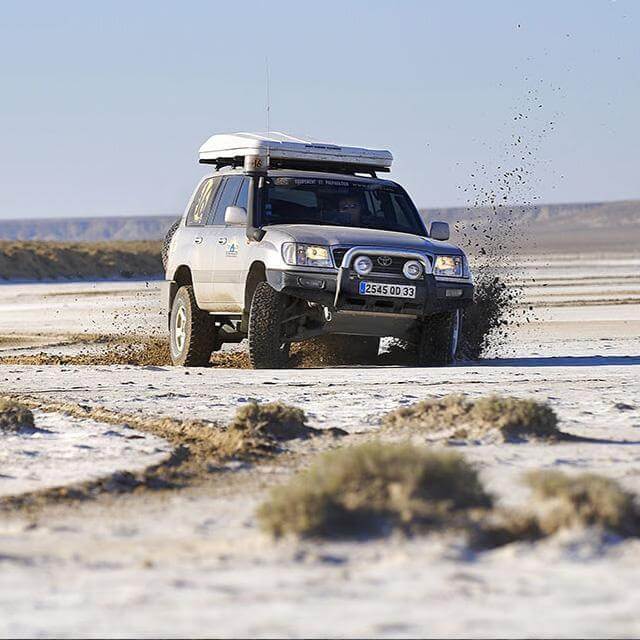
(393, 268)
(338, 254)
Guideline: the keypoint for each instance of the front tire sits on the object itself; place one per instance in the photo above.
(192, 334)
(268, 348)
(438, 339)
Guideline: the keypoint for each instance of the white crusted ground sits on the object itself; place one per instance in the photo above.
(196, 564)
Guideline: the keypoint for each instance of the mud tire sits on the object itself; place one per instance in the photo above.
(193, 335)
(164, 252)
(438, 339)
(267, 347)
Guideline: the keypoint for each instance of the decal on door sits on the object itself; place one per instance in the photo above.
(232, 250)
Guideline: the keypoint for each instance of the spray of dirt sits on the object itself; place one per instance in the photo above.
(495, 231)
(143, 350)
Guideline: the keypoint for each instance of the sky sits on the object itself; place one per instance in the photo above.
(103, 105)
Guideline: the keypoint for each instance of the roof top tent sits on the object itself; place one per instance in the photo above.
(276, 150)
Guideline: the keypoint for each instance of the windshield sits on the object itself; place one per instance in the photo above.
(344, 203)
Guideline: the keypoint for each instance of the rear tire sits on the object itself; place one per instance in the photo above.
(193, 336)
(268, 348)
(164, 252)
(438, 339)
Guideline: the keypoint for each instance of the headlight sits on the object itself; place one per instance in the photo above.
(307, 255)
(450, 266)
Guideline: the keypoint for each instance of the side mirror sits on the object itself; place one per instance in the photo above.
(235, 215)
(439, 231)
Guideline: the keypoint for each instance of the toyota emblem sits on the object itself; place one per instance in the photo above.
(384, 261)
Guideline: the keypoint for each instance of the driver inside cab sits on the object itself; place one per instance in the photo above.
(350, 209)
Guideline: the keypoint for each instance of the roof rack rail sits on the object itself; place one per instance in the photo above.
(281, 151)
(302, 165)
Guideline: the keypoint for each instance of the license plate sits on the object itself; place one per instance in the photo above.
(387, 290)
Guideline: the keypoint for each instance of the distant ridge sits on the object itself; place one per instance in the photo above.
(87, 229)
(594, 225)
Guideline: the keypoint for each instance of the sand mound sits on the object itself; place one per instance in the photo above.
(15, 417)
(78, 261)
(372, 488)
(456, 417)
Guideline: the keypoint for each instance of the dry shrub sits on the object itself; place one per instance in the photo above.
(586, 500)
(561, 502)
(455, 416)
(371, 488)
(14, 416)
(273, 420)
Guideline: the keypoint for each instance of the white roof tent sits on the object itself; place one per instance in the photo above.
(258, 152)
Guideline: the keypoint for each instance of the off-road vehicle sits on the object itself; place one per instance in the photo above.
(290, 239)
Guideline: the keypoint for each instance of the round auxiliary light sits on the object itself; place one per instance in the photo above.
(363, 265)
(412, 269)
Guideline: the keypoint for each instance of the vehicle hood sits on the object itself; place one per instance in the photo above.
(350, 236)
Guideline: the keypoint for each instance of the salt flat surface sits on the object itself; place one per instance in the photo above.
(195, 563)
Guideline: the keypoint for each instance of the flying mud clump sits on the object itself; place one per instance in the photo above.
(502, 418)
(15, 417)
(374, 488)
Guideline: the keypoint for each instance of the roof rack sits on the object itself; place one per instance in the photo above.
(281, 151)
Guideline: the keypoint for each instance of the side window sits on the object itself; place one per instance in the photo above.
(201, 203)
(194, 204)
(215, 194)
(228, 193)
(243, 197)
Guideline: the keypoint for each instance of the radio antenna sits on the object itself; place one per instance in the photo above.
(266, 64)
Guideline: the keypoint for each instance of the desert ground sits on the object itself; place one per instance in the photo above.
(192, 560)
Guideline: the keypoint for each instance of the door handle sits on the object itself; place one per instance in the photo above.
(198, 240)
(222, 241)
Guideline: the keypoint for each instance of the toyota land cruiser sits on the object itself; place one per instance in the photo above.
(290, 239)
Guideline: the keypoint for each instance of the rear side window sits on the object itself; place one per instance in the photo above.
(228, 193)
(202, 202)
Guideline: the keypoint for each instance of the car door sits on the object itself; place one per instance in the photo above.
(230, 258)
(196, 243)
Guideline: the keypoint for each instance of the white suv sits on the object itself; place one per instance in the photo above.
(292, 239)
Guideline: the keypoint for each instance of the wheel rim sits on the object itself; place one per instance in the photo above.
(180, 329)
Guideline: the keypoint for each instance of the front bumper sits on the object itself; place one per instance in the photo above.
(432, 296)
